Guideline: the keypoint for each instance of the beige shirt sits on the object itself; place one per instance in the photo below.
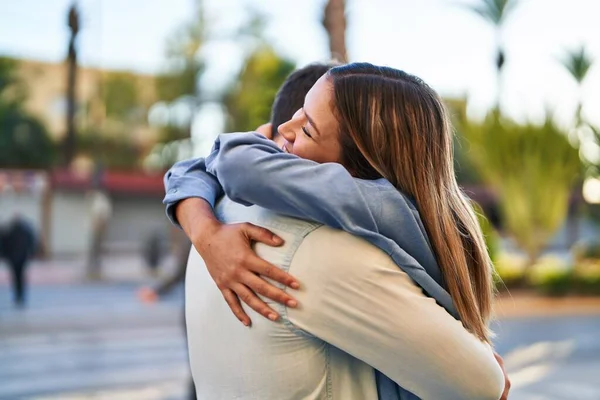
(358, 311)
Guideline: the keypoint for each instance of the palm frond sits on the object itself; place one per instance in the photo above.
(494, 11)
(578, 62)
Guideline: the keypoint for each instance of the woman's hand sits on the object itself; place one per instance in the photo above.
(266, 130)
(231, 261)
(506, 378)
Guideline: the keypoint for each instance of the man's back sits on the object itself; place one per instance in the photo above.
(353, 298)
(269, 360)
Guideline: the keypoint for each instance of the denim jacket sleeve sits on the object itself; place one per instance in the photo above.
(253, 170)
(189, 179)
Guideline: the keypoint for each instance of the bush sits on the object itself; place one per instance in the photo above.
(587, 277)
(551, 276)
(586, 251)
(509, 271)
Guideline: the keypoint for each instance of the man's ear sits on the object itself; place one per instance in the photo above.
(266, 130)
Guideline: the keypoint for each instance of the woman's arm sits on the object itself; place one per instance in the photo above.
(253, 170)
(192, 192)
(227, 250)
(189, 179)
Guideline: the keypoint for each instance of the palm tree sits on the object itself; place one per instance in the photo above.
(533, 169)
(578, 63)
(70, 138)
(334, 22)
(495, 12)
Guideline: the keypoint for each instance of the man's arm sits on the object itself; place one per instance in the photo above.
(356, 299)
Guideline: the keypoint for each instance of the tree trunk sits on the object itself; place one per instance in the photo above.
(334, 22)
(70, 137)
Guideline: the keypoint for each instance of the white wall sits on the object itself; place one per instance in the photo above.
(70, 223)
(27, 205)
(133, 220)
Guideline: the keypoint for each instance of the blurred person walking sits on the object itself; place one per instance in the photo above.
(100, 210)
(17, 247)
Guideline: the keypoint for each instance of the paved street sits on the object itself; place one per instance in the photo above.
(552, 358)
(92, 342)
(96, 341)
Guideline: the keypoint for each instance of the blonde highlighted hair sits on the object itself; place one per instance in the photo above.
(392, 125)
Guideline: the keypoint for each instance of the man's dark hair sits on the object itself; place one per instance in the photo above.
(290, 96)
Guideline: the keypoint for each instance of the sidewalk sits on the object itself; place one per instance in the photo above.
(526, 304)
(130, 268)
(122, 268)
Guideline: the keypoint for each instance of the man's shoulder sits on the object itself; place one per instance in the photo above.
(344, 245)
(230, 212)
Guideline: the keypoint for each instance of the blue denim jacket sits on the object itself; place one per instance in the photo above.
(251, 169)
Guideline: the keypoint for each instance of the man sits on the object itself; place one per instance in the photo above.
(358, 312)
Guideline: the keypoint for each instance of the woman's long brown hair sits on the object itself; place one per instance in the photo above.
(393, 125)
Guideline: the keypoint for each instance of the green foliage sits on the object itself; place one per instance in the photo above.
(587, 277)
(465, 170)
(176, 84)
(24, 141)
(533, 168)
(12, 90)
(170, 133)
(494, 11)
(551, 276)
(182, 52)
(489, 233)
(578, 63)
(249, 102)
(587, 252)
(120, 95)
(509, 271)
(111, 151)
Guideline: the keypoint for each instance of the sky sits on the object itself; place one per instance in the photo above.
(437, 40)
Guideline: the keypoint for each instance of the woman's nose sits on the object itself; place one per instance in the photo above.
(287, 131)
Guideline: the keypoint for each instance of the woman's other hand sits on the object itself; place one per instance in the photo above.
(266, 130)
(231, 261)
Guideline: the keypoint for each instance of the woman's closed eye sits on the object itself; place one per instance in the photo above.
(306, 132)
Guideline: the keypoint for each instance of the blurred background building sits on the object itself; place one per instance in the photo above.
(99, 97)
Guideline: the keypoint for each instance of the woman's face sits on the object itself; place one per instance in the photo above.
(312, 133)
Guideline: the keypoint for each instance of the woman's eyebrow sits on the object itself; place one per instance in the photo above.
(311, 121)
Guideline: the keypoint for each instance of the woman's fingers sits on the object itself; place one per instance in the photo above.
(259, 234)
(252, 300)
(507, 383)
(266, 269)
(262, 287)
(236, 307)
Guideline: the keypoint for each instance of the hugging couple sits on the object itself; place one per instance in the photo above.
(342, 223)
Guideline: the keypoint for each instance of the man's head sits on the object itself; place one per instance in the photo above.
(290, 96)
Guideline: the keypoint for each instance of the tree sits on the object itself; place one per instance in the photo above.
(578, 63)
(533, 169)
(70, 137)
(334, 22)
(180, 82)
(495, 12)
(120, 95)
(249, 100)
(24, 141)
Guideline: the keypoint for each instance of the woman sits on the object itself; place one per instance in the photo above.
(390, 133)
